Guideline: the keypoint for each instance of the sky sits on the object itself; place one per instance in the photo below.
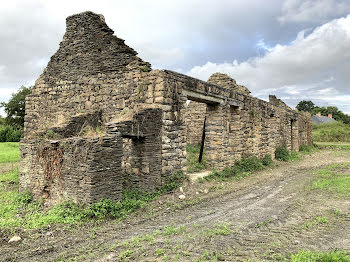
(294, 49)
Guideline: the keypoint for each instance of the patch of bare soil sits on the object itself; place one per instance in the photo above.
(263, 217)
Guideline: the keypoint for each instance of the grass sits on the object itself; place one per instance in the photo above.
(220, 230)
(241, 168)
(331, 132)
(312, 256)
(9, 152)
(316, 221)
(334, 145)
(192, 158)
(18, 210)
(334, 178)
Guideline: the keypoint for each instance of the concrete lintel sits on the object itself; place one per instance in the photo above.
(232, 102)
(198, 97)
(210, 98)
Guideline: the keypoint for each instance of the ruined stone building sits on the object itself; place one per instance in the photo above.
(100, 120)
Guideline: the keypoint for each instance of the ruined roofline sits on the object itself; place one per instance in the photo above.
(183, 77)
(89, 47)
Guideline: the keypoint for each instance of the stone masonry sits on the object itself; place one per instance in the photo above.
(100, 120)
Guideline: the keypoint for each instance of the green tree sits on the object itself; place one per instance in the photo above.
(336, 113)
(15, 107)
(305, 106)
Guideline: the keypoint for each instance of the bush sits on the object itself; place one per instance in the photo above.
(173, 181)
(249, 164)
(267, 160)
(10, 134)
(240, 169)
(282, 153)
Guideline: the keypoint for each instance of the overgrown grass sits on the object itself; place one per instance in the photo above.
(334, 178)
(312, 256)
(334, 145)
(18, 210)
(240, 169)
(283, 154)
(192, 158)
(331, 132)
(9, 152)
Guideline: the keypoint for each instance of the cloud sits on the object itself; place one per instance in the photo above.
(174, 35)
(313, 67)
(313, 11)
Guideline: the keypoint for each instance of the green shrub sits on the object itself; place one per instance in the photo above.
(267, 160)
(10, 134)
(249, 164)
(282, 153)
(241, 168)
(173, 181)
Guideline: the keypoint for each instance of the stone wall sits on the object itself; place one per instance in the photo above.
(194, 114)
(99, 120)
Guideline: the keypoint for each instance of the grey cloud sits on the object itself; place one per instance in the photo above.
(175, 35)
(311, 67)
(313, 11)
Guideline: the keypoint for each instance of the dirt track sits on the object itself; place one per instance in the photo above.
(264, 217)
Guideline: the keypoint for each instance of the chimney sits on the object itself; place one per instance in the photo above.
(318, 114)
(330, 116)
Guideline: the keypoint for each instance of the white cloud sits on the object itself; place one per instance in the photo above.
(314, 11)
(314, 67)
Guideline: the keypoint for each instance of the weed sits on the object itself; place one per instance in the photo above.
(50, 134)
(242, 168)
(173, 181)
(159, 252)
(312, 256)
(145, 68)
(282, 153)
(192, 158)
(319, 220)
(293, 156)
(125, 254)
(267, 160)
(171, 230)
(264, 223)
(220, 230)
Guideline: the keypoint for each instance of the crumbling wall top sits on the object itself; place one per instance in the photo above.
(226, 81)
(89, 48)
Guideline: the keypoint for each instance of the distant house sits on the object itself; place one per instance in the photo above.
(318, 119)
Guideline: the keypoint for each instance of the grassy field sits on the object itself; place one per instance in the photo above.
(18, 213)
(334, 178)
(9, 152)
(331, 132)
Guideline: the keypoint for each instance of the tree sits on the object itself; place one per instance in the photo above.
(15, 107)
(305, 106)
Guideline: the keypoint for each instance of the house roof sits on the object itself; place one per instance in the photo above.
(321, 119)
